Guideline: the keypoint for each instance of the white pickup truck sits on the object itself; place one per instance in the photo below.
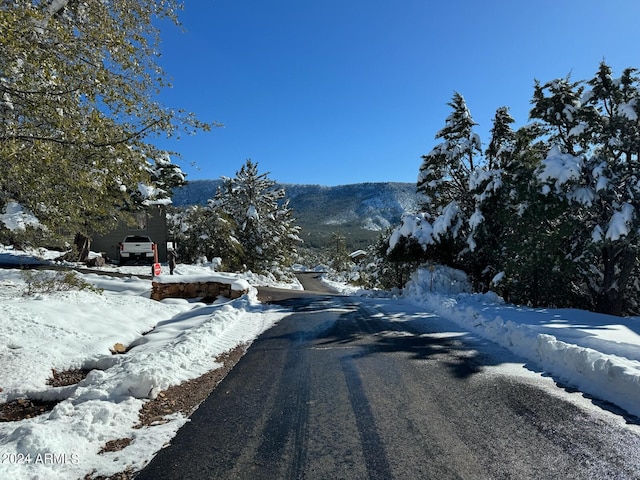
(137, 247)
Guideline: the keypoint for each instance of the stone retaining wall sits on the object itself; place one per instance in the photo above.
(194, 290)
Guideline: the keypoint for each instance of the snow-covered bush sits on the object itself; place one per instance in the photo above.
(37, 282)
(437, 279)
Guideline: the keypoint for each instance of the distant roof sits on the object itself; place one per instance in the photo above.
(357, 253)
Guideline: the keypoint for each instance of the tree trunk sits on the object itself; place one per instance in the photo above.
(611, 298)
(82, 244)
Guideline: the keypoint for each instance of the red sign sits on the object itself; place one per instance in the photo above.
(157, 269)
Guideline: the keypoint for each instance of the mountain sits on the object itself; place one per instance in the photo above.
(195, 192)
(359, 212)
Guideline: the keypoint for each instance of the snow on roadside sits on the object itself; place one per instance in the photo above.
(76, 329)
(599, 354)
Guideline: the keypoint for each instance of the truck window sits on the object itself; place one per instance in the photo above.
(137, 239)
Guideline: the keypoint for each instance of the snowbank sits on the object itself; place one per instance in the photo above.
(176, 340)
(237, 284)
(169, 342)
(598, 354)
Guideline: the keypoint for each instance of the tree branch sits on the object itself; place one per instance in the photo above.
(15, 91)
(60, 141)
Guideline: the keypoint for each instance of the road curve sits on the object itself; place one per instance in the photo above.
(310, 281)
(337, 390)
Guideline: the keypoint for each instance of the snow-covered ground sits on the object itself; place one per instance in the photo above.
(75, 329)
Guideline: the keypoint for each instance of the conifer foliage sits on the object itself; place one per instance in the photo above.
(445, 173)
(593, 165)
(261, 220)
(549, 213)
(247, 223)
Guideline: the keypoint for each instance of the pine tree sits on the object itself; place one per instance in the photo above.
(166, 175)
(163, 177)
(340, 260)
(204, 232)
(593, 166)
(558, 105)
(491, 203)
(502, 141)
(445, 223)
(516, 236)
(445, 171)
(261, 219)
(553, 214)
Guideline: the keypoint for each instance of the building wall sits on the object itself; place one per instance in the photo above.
(151, 222)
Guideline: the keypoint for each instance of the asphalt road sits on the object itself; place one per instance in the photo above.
(337, 391)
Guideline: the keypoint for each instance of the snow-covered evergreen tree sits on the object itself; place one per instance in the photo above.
(531, 231)
(445, 171)
(490, 202)
(166, 175)
(445, 223)
(203, 232)
(551, 217)
(594, 166)
(261, 219)
(509, 236)
(503, 138)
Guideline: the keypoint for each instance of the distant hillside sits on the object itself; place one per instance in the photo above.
(195, 192)
(359, 211)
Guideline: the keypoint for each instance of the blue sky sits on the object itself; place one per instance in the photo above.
(345, 91)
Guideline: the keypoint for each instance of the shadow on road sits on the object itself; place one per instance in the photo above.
(371, 333)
